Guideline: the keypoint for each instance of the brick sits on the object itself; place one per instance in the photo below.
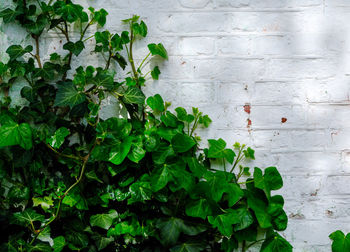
(195, 94)
(299, 68)
(233, 93)
(194, 3)
(224, 69)
(234, 45)
(193, 22)
(293, 117)
(277, 93)
(196, 46)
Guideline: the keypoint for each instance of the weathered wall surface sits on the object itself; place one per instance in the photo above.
(274, 74)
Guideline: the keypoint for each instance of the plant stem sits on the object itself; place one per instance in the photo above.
(37, 54)
(243, 246)
(143, 61)
(194, 125)
(238, 159)
(85, 160)
(62, 154)
(109, 60)
(131, 59)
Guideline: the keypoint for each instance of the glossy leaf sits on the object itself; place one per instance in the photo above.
(16, 134)
(158, 50)
(58, 138)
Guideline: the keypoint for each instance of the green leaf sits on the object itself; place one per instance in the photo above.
(9, 15)
(276, 243)
(69, 12)
(196, 168)
(92, 175)
(100, 16)
(245, 218)
(45, 202)
(271, 180)
(341, 243)
(58, 138)
(224, 222)
(137, 152)
(140, 192)
(155, 73)
(217, 150)
(26, 217)
(16, 51)
(199, 208)
(189, 246)
(169, 119)
(75, 48)
(158, 50)
(101, 242)
(58, 243)
(68, 95)
(37, 27)
(16, 134)
(170, 229)
(156, 103)
(205, 121)
(104, 221)
(160, 178)
(134, 95)
(182, 143)
(249, 153)
(104, 79)
(119, 152)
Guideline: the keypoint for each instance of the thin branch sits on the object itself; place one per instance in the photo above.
(37, 54)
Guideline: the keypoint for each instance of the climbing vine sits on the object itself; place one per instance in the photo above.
(73, 180)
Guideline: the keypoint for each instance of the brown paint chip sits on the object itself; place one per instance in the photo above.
(249, 123)
(283, 120)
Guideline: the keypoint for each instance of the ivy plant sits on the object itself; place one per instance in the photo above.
(73, 180)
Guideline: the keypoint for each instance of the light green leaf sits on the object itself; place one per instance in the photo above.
(104, 221)
(58, 138)
(156, 103)
(217, 150)
(341, 242)
(224, 222)
(134, 95)
(16, 134)
(45, 202)
(160, 178)
(58, 243)
(119, 152)
(158, 50)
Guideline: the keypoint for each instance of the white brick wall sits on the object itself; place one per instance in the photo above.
(286, 58)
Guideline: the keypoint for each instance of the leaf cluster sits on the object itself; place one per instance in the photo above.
(71, 180)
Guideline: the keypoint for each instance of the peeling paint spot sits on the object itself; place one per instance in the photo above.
(329, 213)
(314, 193)
(283, 120)
(247, 108)
(183, 62)
(249, 123)
(296, 216)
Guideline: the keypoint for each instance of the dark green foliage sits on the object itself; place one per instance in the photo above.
(71, 180)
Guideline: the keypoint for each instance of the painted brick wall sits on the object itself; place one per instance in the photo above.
(286, 60)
